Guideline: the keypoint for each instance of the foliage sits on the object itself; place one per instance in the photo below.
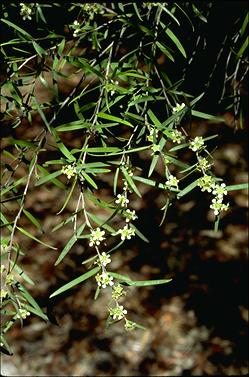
(121, 105)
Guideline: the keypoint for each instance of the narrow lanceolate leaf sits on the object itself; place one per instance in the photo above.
(144, 283)
(47, 178)
(114, 119)
(32, 301)
(156, 157)
(69, 244)
(26, 233)
(199, 114)
(176, 41)
(55, 181)
(17, 28)
(187, 189)
(130, 182)
(76, 281)
(139, 234)
(89, 179)
(241, 186)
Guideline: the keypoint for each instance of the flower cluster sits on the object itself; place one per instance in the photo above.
(27, 9)
(117, 292)
(217, 206)
(91, 9)
(172, 181)
(217, 202)
(112, 87)
(23, 313)
(153, 134)
(104, 259)
(104, 279)
(197, 143)
(126, 232)
(69, 170)
(130, 215)
(3, 294)
(122, 200)
(155, 148)
(220, 190)
(177, 136)
(9, 279)
(96, 236)
(203, 164)
(118, 312)
(76, 27)
(206, 183)
(178, 107)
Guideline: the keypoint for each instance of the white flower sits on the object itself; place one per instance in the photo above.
(118, 312)
(178, 107)
(23, 313)
(220, 190)
(27, 10)
(96, 236)
(217, 206)
(153, 134)
(3, 293)
(117, 292)
(172, 181)
(130, 215)
(156, 148)
(177, 136)
(69, 170)
(126, 232)
(104, 279)
(122, 200)
(203, 164)
(2, 268)
(206, 183)
(197, 143)
(104, 259)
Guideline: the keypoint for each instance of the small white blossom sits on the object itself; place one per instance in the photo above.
(3, 293)
(122, 200)
(104, 279)
(129, 325)
(97, 235)
(197, 143)
(156, 148)
(203, 164)
(23, 313)
(153, 134)
(178, 107)
(217, 206)
(27, 10)
(220, 190)
(172, 181)
(206, 183)
(69, 170)
(118, 312)
(177, 136)
(104, 259)
(130, 215)
(2, 268)
(117, 292)
(126, 232)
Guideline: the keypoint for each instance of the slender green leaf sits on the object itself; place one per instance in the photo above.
(76, 281)
(48, 178)
(26, 233)
(130, 182)
(176, 41)
(144, 283)
(240, 186)
(114, 118)
(187, 189)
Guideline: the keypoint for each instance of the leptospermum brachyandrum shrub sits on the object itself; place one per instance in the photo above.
(121, 104)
